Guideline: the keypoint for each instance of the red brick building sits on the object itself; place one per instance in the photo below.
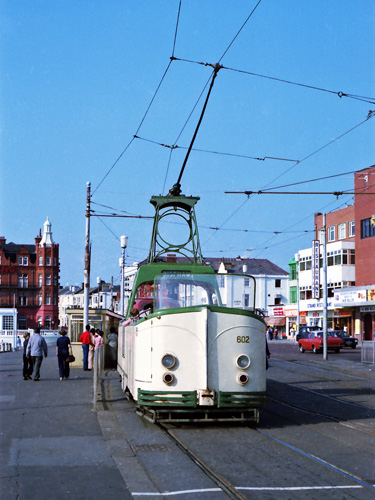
(356, 223)
(29, 280)
(364, 187)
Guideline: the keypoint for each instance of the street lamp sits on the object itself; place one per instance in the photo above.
(296, 257)
(124, 244)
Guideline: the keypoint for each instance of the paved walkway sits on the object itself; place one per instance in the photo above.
(54, 446)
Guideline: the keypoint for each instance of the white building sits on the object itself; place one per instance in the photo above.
(340, 274)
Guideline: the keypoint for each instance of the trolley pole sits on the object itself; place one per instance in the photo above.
(324, 286)
(86, 282)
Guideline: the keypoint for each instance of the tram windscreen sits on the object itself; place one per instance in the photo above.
(189, 290)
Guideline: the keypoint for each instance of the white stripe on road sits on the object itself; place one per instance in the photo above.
(250, 488)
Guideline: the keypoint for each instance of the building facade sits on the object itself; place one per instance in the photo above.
(29, 280)
(350, 245)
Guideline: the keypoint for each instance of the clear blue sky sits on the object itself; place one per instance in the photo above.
(78, 76)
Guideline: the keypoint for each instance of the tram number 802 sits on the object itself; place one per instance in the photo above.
(243, 339)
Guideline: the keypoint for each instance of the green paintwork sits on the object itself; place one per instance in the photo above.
(167, 398)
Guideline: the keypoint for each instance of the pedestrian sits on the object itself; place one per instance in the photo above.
(36, 347)
(62, 352)
(27, 363)
(268, 355)
(270, 333)
(85, 339)
(19, 343)
(90, 363)
(112, 344)
(98, 339)
(276, 334)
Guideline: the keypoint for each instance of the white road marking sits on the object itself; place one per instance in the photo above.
(247, 488)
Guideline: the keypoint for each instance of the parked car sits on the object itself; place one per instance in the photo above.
(348, 340)
(304, 330)
(314, 342)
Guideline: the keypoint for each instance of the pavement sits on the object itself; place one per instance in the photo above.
(55, 445)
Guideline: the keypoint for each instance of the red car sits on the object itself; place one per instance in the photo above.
(314, 342)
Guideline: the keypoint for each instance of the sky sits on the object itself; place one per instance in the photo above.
(80, 79)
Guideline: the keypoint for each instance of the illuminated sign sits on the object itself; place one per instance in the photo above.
(315, 269)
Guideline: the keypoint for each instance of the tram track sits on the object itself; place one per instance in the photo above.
(323, 415)
(234, 492)
(228, 488)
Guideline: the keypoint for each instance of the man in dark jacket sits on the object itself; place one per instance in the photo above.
(36, 347)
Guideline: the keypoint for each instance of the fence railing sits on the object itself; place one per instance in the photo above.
(99, 360)
(368, 352)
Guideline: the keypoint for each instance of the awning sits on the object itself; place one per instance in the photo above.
(275, 321)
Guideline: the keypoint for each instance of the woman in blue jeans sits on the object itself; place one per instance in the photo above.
(62, 352)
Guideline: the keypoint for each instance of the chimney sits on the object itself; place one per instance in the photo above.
(2, 240)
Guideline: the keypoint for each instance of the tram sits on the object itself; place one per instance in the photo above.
(192, 347)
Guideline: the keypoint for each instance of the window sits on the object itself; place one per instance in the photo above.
(40, 279)
(23, 261)
(55, 300)
(367, 230)
(23, 280)
(278, 283)
(246, 282)
(22, 300)
(40, 321)
(55, 280)
(7, 322)
(342, 231)
(47, 323)
(22, 322)
(331, 233)
(40, 300)
(48, 279)
(246, 300)
(48, 261)
(351, 228)
(48, 299)
(55, 261)
(321, 236)
(40, 261)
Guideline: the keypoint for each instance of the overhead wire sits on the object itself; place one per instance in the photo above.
(340, 94)
(148, 108)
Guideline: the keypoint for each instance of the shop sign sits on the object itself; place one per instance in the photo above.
(278, 311)
(367, 309)
(371, 295)
(290, 312)
(7, 269)
(315, 269)
(317, 305)
(350, 297)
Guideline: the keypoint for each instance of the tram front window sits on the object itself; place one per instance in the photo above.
(188, 290)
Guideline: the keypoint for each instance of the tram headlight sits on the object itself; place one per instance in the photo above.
(168, 378)
(243, 362)
(169, 361)
(242, 378)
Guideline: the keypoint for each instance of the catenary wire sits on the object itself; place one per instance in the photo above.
(239, 31)
(148, 108)
(369, 100)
